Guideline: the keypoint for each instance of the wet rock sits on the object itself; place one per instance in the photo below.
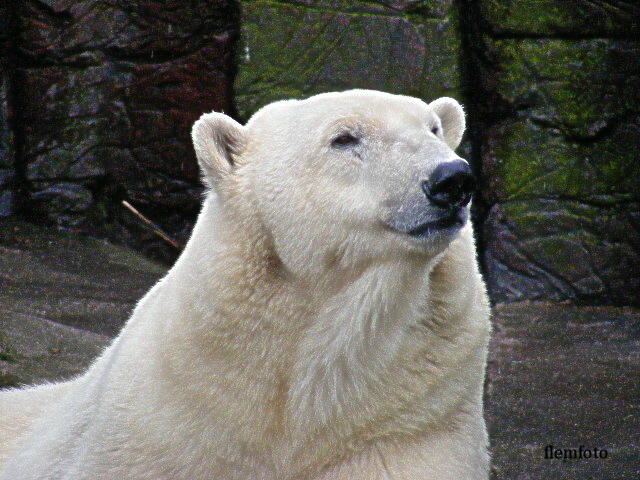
(296, 49)
(7, 146)
(570, 18)
(563, 249)
(558, 155)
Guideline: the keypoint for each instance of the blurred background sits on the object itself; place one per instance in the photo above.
(97, 98)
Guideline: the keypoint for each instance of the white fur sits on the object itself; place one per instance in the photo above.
(298, 336)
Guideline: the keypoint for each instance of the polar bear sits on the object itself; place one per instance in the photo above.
(326, 320)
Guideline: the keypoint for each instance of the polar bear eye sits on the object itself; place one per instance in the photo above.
(435, 130)
(345, 140)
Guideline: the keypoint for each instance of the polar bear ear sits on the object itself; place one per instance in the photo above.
(452, 116)
(217, 140)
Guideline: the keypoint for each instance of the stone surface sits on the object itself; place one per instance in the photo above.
(107, 93)
(7, 153)
(296, 49)
(568, 18)
(557, 122)
(61, 297)
(7, 144)
(390, 7)
(34, 349)
(565, 376)
(559, 249)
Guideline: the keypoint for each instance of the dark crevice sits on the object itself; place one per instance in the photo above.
(631, 34)
(15, 119)
(582, 139)
(61, 16)
(473, 65)
(230, 63)
(603, 202)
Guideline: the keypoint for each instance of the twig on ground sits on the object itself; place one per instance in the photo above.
(156, 229)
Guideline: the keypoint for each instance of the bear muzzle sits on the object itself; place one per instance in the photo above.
(451, 185)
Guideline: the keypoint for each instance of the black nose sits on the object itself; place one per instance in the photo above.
(450, 185)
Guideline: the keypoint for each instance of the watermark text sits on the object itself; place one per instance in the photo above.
(552, 452)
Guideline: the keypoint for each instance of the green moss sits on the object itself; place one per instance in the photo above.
(8, 352)
(552, 17)
(296, 51)
(543, 161)
(8, 380)
(574, 84)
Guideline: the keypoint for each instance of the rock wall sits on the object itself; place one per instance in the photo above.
(102, 95)
(97, 98)
(296, 48)
(554, 94)
(7, 142)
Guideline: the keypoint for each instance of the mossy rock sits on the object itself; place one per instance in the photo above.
(577, 121)
(612, 18)
(297, 49)
(563, 249)
(561, 170)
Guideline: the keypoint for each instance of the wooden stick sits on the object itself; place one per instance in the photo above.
(156, 229)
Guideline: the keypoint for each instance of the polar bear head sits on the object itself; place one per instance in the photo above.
(342, 178)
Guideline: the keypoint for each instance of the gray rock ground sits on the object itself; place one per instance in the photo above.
(61, 297)
(565, 376)
(558, 374)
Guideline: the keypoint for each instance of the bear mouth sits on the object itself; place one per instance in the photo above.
(452, 220)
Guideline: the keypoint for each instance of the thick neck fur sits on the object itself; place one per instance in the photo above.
(298, 367)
